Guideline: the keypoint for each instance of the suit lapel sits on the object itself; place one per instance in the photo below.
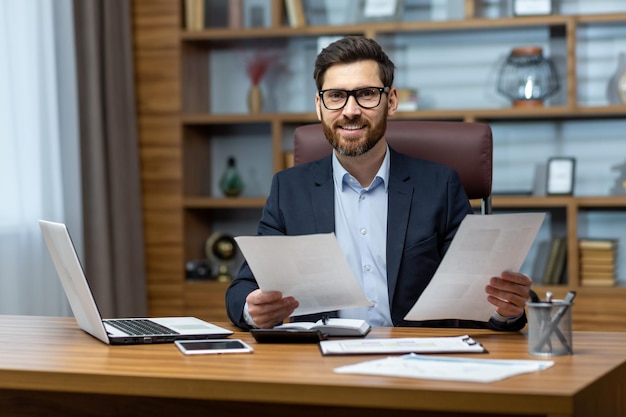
(323, 197)
(399, 207)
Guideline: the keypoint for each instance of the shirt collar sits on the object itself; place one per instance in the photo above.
(341, 176)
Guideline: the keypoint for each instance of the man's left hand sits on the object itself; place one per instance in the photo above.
(509, 293)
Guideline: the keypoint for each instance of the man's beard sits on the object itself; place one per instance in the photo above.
(360, 146)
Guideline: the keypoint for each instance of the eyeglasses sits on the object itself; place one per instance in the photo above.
(367, 97)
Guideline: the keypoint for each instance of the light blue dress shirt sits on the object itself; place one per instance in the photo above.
(361, 230)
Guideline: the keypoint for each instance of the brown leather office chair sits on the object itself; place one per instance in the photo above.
(466, 147)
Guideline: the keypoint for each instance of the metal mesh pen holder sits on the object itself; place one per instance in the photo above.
(550, 328)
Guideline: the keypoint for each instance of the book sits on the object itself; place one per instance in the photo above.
(194, 14)
(332, 327)
(584, 275)
(556, 262)
(589, 243)
(407, 99)
(600, 259)
(597, 267)
(235, 14)
(598, 282)
(216, 13)
(223, 14)
(295, 13)
(597, 256)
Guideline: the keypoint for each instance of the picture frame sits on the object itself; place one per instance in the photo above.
(532, 7)
(560, 176)
(380, 10)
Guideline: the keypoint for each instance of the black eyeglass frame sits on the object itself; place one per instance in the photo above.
(353, 93)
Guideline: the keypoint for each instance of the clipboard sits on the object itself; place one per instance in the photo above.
(450, 344)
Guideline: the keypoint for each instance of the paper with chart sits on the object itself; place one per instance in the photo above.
(483, 247)
(311, 268)
(445, 368)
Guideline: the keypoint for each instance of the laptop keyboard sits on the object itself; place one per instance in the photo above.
(140, 327)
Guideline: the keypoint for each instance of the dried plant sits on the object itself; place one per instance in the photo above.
(259, 63)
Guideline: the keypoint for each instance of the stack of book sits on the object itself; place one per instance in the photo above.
(597, 262)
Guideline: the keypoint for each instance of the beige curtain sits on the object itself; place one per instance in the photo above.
(113, 230)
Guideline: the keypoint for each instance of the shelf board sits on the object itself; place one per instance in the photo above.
(604, 202)
(599, 202)
(206, 118)
(602, 18)
(532, 202)
(191, 119)
(584, 290)
(223, 202)
(224, 34)
(509, 113)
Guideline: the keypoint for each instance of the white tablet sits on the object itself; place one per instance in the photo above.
(200, 347)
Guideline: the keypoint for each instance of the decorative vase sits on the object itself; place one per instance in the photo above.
(616, 89)
(231, 183)
(255, 99)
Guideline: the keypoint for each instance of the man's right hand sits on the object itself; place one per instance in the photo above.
(267, 309)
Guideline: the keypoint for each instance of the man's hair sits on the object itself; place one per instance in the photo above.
(349, 50)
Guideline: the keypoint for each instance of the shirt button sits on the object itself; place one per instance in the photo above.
(367, 267)
(362, 197)
(363, 232)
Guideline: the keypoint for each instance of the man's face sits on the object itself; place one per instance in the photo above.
(354, 130)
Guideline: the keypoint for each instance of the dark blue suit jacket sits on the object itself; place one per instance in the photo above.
(426, 205)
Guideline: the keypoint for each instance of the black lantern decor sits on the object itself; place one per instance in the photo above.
(527, 77)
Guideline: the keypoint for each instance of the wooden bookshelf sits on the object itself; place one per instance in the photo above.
(174, 116)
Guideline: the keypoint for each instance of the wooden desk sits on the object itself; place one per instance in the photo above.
(50, 367)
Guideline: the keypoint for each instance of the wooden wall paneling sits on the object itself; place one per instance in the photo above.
(205, 299)
(196, 166)
(156, 28)
(195, 73)
(590, 312)
(198, 230)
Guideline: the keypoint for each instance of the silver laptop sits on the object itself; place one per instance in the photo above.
(114, 331)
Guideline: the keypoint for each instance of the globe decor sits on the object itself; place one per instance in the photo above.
(527, 77)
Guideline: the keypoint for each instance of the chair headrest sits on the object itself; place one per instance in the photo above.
(464, 146)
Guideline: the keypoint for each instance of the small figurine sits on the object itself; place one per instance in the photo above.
(620, 183)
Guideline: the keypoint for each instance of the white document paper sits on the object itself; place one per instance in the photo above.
(453, 344)
(311, 268)
(483, 247)
(445, 368)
